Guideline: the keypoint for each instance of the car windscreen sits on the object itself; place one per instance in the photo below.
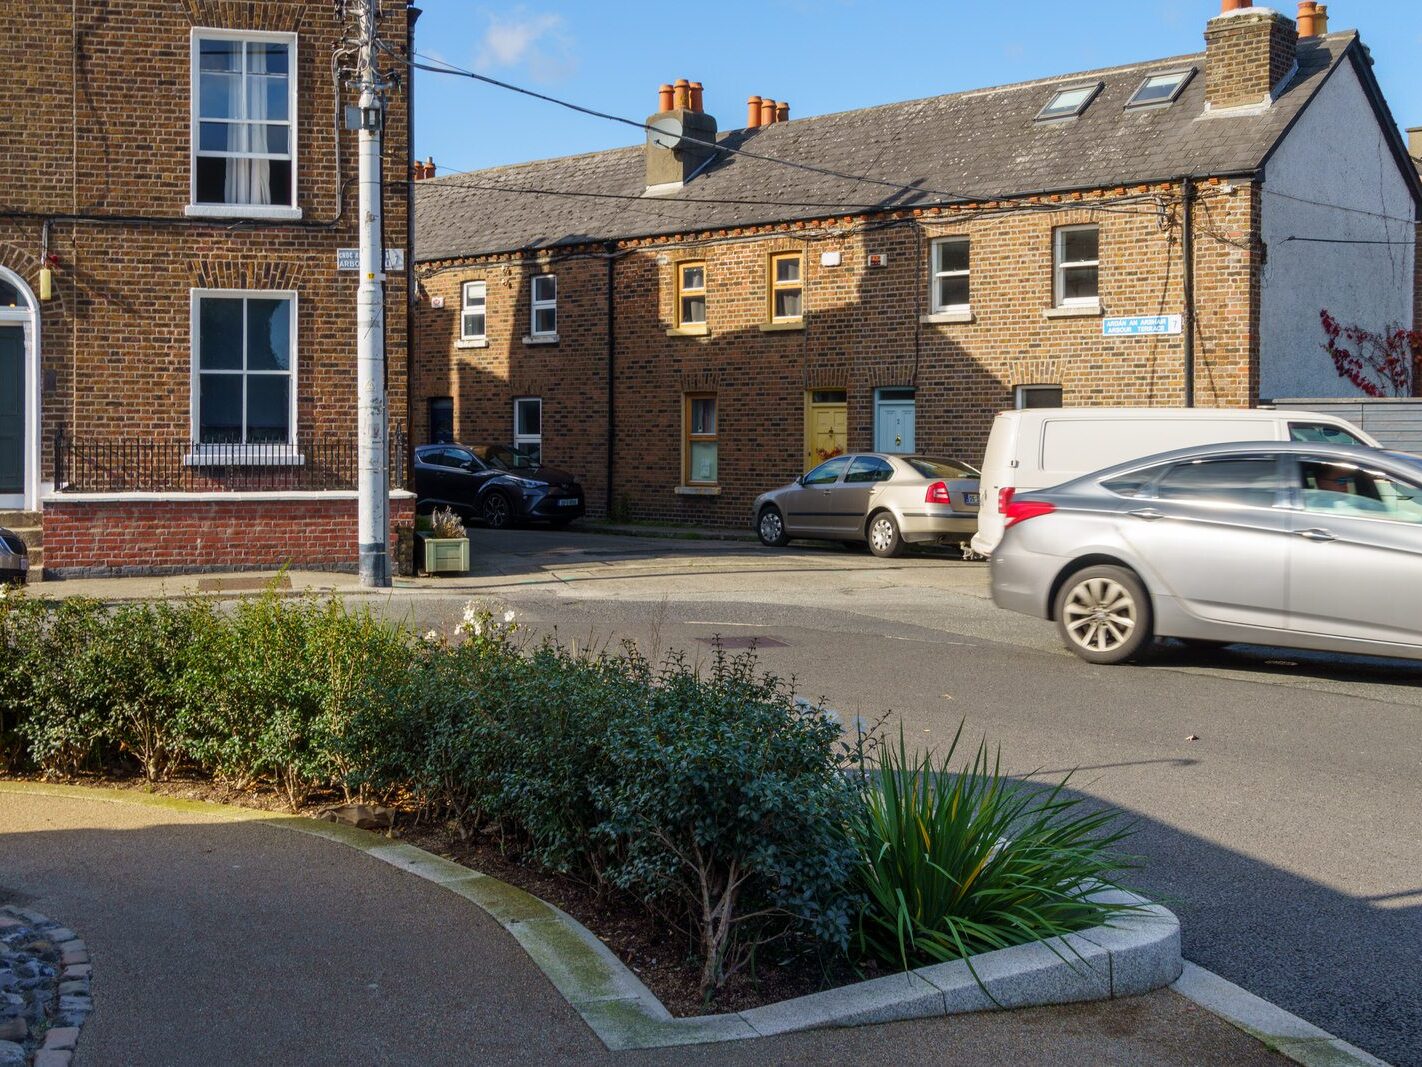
(940, 468)
(506, 459)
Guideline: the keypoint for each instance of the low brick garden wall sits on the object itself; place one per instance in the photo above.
(112, 536)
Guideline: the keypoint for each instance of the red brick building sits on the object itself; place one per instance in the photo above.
(177, 343)
(686, 327)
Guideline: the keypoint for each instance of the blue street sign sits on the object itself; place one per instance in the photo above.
(1141, 325)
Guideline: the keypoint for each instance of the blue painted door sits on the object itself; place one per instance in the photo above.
(12, 409)
(894, 421)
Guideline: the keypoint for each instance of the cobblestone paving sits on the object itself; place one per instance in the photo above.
(44, 990)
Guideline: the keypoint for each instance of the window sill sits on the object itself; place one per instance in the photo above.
(541, 339)
(963, 314)
(244, 456)
(699, 329)
(472, 342)
(698, 490)
(778, 327)
(1073, 311)
(243, 211)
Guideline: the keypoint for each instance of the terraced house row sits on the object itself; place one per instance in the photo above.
(687, 325)
(177, 334)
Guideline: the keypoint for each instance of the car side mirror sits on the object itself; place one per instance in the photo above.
(800, 481)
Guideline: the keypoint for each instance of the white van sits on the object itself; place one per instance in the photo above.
(1041, 447)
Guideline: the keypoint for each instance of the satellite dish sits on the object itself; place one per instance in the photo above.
(666, 132)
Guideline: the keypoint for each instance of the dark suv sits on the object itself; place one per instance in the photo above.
(497, 484)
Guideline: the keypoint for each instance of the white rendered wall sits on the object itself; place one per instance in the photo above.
(1335, 155)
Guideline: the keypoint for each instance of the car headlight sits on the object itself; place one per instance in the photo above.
(526, 483)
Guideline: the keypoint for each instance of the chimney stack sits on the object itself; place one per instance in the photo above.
(679, 146)
(753, 113)
(1249, 52)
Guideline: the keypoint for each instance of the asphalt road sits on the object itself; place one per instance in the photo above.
(1287, 835)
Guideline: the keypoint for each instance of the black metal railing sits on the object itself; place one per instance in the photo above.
(131, 465)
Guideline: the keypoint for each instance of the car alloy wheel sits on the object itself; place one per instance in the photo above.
(497, 511)
(771, 528)
(1100, 615)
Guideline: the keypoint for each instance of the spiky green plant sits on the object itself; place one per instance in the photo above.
(953, 864)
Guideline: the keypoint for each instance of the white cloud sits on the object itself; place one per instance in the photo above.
(539, 42)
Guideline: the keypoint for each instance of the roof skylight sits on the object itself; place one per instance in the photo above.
(1160, 89)
(1068, 103)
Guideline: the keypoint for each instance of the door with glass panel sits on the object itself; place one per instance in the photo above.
(826, 425)
(12, 409)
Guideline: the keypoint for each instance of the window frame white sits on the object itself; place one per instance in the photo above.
(1060, 265)
(245, 452)
(1019, 395)
(535, 306)
(935, 273)
(1093, 90)
(464, 291)
(1185, 74)
(528, 438)
(289, 211)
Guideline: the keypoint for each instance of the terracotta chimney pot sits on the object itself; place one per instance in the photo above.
(681, 95)
(429, 167)
(767, 112)
(1320, 22)
(782, 112)
(696, 94)
(664, 98)
(752, 112)
(1234, 5)
(1307, 13)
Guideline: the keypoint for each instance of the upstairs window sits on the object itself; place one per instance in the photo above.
(1077, 262)
(472, 318)
(544, 316)
(1160, 89)
(951, 291)
(244, 102)
(786, 287)
(691, 294)
(1068, 103)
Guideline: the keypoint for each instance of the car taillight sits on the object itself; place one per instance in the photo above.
(1004, 498)
(938, 494)
(1022, 510)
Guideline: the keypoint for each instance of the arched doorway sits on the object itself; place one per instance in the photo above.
(19, 394)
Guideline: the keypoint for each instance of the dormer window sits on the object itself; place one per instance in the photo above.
(1069, 103)
(1159, 90)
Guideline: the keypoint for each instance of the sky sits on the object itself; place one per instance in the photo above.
(822, 56)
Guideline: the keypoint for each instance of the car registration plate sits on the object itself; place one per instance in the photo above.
(971, 498)
(570, 502)
(24, 563)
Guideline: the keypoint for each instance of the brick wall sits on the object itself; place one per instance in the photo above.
(862, 331)
(96, 117)
(130, 537)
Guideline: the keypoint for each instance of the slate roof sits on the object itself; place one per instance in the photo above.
(977, 145)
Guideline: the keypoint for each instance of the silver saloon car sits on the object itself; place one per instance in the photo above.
(1300, 545)
(888, 501)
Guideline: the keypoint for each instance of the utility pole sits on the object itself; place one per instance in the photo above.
(373, 448)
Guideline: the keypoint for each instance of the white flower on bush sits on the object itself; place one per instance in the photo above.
(480, 621)
(509, 616)
(432, 637)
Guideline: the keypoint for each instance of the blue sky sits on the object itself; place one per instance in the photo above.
(820, 55)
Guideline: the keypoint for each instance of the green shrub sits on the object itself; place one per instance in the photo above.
(21, 620)
(729, 812)
(954, 864)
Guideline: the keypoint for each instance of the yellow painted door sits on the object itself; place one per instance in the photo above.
(826, 429)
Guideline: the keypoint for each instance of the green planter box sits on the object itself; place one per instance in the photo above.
(445, 555)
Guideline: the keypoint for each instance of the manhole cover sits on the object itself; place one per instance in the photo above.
(743, 642)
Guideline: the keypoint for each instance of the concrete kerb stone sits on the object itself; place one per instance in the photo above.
(624, 1014)
(1268, 1023)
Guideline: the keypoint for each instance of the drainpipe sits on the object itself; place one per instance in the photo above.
(611, 365)
(412, 14)
(1187, 263)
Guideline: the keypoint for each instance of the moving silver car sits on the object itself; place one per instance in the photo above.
(886, 500)
(1299, 545)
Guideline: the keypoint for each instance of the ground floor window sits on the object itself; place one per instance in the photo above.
(441, 420)
(1039, 396)
(244, 361)
(701, 445)
(528, 427)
